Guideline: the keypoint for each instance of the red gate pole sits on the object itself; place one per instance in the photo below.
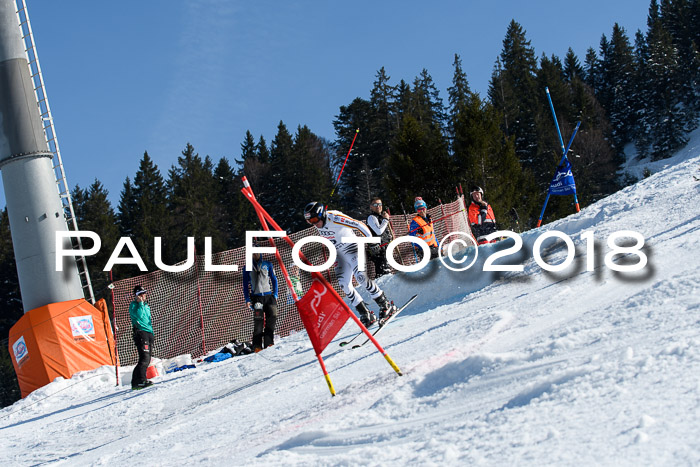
(114, 328)
(199, 305)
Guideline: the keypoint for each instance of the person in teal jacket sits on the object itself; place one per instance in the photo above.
(140, 313)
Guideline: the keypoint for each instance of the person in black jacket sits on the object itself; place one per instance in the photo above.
(260, 292)
(378, 222)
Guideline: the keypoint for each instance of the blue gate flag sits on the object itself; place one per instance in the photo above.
(563, 182)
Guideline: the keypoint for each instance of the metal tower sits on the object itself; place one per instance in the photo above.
(38, 198)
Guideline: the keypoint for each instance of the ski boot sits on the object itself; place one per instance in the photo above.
(386, 308)
(367, 318)
(142, 385)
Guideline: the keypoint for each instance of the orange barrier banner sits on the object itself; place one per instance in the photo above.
(59, 339)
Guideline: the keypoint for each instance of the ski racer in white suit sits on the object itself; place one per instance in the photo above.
(334, 225)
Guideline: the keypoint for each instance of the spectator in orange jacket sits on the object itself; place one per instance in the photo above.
(481, 218)
(422, 227)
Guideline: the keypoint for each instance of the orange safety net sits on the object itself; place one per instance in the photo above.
(195, 311)
(59, 339)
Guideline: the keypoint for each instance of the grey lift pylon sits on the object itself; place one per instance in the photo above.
(36, 191)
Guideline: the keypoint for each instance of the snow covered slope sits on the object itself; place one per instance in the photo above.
(516, 368)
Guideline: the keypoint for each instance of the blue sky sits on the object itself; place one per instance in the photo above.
(127, 77)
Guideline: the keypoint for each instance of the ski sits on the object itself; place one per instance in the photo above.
(386, 320)
(344, 343)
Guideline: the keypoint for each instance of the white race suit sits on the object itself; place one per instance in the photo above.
(337, 226)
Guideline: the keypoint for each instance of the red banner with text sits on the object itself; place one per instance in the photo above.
(323, 314)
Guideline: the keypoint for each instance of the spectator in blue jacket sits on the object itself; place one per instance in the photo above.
(140, 314)
(260, 292)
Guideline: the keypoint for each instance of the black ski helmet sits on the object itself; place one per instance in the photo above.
(314, 211)
(476, 189)
(138, 290)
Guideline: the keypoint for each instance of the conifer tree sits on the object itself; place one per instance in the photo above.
(142, 215)
(458, 97)
(667, 117)
(192, 196)
(234, 214)
(12, 310)
(432, 160)
(572, 67)
(591, 69)
(248, 148)
(616, 92)
(152, 218)
(643, 90)
(459, 93)
(602, 88)
(9, 387)
(280, 159)
(595, 163)
(419, 164)
(427, 106)
(309, 176)
(694, 18)
(10, 299)
(513, 92)
(653, 13)
(383, 120)
(677, 19)
(486, 157)
(403, 102)
(94, 213)
(262, 151)
(126, 210)
(255, 166)
(406, 180)
(225, 215)
(383, 124)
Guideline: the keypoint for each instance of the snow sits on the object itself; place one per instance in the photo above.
(635, 165)
(517, 368)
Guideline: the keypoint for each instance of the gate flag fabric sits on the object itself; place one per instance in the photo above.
(563, 182)
(322, 313)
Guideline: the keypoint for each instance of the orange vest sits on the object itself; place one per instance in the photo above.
(475, 210)
(426, 233)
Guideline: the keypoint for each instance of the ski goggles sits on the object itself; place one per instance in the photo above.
(376, 205)
(313, 220)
